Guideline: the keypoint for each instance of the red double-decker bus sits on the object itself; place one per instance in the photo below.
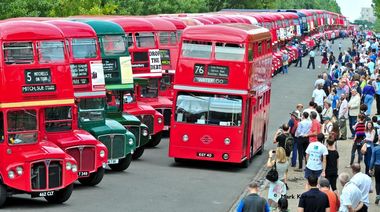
(35, 95)
(222, 93)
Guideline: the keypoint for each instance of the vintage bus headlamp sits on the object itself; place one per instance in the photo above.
(130, 141)
(11, 174)
(159, 120)
(74, 168)
(19, 170)
(225, 156)
(102, 153)
(227, 141)
(185, 138)
(68, 166)
(145, 132)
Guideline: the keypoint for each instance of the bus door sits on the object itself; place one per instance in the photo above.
(247, 132)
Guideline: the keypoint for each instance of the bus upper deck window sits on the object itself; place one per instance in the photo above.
(129, 40)
(196, 49)
(18, 53)
(145, 39)
(22, 127)
(84, 48)
(229, 51)
(113, 44)
(51, 51)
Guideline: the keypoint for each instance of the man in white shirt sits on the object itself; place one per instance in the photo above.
(311, 107)
(314, 154)
(343, 116)
(318, 95)
(363, 182)
(350, 198)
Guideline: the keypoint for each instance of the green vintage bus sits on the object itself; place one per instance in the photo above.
(118, 79)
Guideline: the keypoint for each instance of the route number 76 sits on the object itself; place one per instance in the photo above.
(199, 69)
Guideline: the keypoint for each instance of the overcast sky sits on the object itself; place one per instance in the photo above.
(352, 8)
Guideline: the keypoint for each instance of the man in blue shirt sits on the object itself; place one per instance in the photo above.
(302, 133)
(253, 202)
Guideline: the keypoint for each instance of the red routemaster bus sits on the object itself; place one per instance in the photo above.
(31, 90)
(222, 93)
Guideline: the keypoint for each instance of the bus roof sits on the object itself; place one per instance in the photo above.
(103, 27)
(231, 33)
(73, 29)
(134, 24)
(203, 20)
(27, 30)
(161, 24)
(178, 23)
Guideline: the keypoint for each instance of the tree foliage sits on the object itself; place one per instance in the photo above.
(62, 8)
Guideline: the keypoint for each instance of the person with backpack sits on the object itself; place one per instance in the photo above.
(283, 139)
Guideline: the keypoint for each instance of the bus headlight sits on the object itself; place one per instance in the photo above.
(185, 138)
(11, 174)
(68, 166)
(159, 120)
(19, 170)
(74, 168)
(130, 141)
(102, 153)
(145, 132)
(227, 141)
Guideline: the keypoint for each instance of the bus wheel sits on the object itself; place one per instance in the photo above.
(94, 178)
(3, 194)
(246, 163)
(138, 153)
(155, 140)
(123, 164)
(60, 196)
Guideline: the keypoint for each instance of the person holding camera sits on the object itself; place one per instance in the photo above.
(284, 139)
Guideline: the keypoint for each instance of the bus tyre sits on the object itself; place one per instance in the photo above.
(123, 164)
(60, 196)
(3, 194)
(94, 179)
(247, 161)
(138, 153)
(155, 140)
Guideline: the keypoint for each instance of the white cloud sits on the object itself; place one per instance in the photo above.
(352, 8)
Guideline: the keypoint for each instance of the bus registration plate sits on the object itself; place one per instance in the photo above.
(205, 155)
(113, 161)
(83, 174)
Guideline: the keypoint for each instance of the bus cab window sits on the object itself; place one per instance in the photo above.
(22, 127)
(18, 53)
(150, 90)
(166, 82)
(91, 109)
(58, 119)
(51, 51)
(229, 51)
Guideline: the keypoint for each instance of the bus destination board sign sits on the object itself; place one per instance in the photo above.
(38, 88)
(214, 74)
(110, 68)
(37, 76)
(79, 70)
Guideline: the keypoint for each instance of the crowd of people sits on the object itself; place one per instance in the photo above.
(342, 98)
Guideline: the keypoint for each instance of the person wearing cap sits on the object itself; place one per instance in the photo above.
(324, 186)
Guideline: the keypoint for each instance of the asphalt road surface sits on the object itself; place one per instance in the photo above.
(156, 183)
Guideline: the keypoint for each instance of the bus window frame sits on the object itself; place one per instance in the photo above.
(34, 50)
(70, 120)
(50, 61)
(9, 133)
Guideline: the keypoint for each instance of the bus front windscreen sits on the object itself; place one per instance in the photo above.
(91, 109)
(58, 119)
(113, 44)
(22, 126)
(83, 48)
(210, 109)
